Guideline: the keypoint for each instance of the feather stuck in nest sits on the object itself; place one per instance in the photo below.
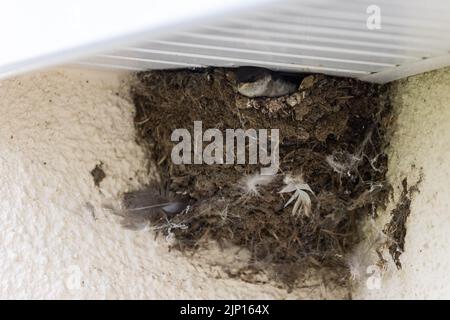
(251, 184)
(152, 204)
(302, 205)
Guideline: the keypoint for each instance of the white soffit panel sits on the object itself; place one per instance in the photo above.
(326, 36)
(36, 34)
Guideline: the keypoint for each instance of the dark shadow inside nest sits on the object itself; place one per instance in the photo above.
(332, 142)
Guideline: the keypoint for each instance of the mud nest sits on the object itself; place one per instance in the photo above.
(332, 141)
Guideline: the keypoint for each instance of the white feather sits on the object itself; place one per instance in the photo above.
(252, 183)
(302, 199)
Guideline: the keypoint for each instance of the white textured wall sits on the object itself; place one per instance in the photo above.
(55, 127)
(422, 139)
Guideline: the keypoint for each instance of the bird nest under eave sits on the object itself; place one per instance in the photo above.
(331, 174)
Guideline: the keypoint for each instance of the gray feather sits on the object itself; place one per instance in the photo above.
(152, 204)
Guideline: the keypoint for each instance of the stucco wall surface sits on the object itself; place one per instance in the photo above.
(420, 146)
(57, 240)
